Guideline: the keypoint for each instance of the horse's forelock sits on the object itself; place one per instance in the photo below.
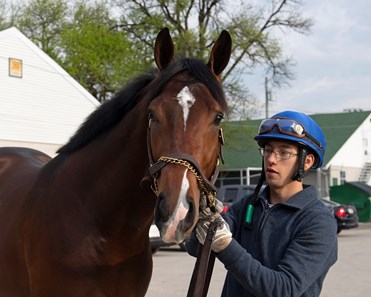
(194, 68)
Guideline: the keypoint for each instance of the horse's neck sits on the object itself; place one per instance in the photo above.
(108, 171)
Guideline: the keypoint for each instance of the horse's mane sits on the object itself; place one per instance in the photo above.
(149, 84)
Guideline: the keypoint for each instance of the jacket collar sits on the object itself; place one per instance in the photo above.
(298, 201)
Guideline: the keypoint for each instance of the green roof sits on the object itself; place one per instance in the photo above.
(241, 150)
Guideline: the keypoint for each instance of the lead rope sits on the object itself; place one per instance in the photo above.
(203, 269)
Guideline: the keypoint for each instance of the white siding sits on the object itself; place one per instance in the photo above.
(356, 150)
(46, 105)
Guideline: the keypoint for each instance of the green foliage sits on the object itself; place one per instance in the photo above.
(42, 21)
(196, 24)
(100, 58)
(3, 21)
(95, 56)
(103, 45)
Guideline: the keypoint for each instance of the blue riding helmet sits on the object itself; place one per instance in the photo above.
(296, 127)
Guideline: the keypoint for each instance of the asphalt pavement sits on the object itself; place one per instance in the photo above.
(349, 277)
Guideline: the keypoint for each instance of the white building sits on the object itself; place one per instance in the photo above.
(41, 105)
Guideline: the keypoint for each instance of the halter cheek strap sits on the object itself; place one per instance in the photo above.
(189, 162)
(207, 184)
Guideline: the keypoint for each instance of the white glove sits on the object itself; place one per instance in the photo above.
(205, 212)
(222, 237)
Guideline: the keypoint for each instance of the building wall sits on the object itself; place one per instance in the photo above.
(347, 163)
(340, 174)
(41, 103)
(320, 179)
(356, 150)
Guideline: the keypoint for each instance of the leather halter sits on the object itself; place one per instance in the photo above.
(205, 260)
(178, 158)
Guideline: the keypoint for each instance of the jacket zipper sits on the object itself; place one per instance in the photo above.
(263, 219)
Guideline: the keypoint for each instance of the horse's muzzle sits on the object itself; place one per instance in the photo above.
(176, 225)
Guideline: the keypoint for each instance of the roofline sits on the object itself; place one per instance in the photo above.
(64, 74)
(329, 163)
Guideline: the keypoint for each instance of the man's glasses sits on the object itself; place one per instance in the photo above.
(279, 155)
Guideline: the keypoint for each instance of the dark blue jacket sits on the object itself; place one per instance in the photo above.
(288, 251)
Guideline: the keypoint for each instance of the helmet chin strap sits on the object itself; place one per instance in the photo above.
(300, 173)
(298, 176)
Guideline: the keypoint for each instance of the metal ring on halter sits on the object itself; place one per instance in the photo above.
(210, 193)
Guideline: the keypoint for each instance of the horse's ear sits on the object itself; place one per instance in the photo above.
(220, 54)
(164, 49)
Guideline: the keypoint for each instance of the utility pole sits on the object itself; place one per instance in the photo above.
(267, 99)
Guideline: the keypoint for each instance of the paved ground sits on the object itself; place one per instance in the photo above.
(349, 277)
(351, 274)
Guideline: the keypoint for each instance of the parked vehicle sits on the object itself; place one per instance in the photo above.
(231, 193)
(346, 215)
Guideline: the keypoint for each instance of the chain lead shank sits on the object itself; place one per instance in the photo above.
(210, 194)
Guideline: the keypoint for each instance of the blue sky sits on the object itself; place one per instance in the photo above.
(333, 62)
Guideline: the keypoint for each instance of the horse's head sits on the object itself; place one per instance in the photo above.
(184, 138)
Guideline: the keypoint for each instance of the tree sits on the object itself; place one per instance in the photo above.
(79, 37)
(3, 20)
(101, 59)
(196, 23)
(8, 14)
(102, 51)
(42, 21)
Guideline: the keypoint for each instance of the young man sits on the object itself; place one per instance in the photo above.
(282, 241)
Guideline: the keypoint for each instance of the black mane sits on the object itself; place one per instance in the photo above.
(149, 84)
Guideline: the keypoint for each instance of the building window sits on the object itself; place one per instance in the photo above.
(365, 145)
(15, 68)
(342, 177)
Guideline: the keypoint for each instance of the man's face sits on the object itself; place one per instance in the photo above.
(280, 163)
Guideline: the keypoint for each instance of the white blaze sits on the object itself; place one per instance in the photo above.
(186, 100)
(180, 211)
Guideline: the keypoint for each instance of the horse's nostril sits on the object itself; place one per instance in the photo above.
(161, 213)
(189, 220)
(191, 207)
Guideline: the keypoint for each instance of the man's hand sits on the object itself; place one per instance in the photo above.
(205, 212)
(222, 237)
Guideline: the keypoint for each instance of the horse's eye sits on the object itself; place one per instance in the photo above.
(151, 115)
(219, 117)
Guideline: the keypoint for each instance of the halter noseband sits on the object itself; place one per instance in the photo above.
(207, 185)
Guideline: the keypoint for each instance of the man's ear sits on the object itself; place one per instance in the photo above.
(309, 161)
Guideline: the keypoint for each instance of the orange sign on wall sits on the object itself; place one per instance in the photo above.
(15, 67)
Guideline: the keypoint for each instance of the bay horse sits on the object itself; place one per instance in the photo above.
(77, 224)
